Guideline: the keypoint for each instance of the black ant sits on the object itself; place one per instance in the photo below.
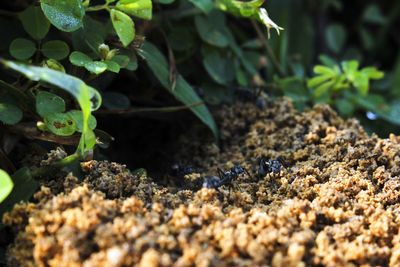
(225, 177)
(268, 166)
(248, 95)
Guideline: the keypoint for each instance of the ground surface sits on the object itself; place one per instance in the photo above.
(335, 201)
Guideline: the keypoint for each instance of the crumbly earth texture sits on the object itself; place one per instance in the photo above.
(335, 201)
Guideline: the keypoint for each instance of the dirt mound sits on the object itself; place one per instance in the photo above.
(334, 201)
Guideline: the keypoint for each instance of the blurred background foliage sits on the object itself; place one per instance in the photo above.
(219, 53)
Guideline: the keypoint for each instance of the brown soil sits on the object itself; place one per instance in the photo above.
(335, 203)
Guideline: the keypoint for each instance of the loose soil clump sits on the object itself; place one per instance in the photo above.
(334, 202)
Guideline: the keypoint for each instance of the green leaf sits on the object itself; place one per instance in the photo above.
(124, 26)
(79, 59)
(350, 69)
(374, 15)
(367, 39)
(211, 29)
(335, 36)
(165, 2)
(204, 5)
(121, 60)
(345, 106)
(77, 116)
(115, 101)
(112, 66)
(138, 8)
(323, 88)
(372, 73)
(55, 49)
(371, 102)
(327, 61)
(65, 15)
(361, 84)
(6, 185)
(34, 22)
(240, 8)
(60, 124)
(88, 98)
(22, 49)
(183, 91)
(96, 67)
(318, 80)
(319, 69)
(47, 103)
(220, 69)
(10, 114)
(294, 88)
(181, 38)
(24, 187)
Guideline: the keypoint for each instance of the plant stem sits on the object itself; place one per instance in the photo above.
(46, 170)
(96, 8)
(268, 49)
(140, 110)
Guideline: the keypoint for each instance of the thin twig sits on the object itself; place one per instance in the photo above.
(30, 130)
(268, 49)
(140, 110)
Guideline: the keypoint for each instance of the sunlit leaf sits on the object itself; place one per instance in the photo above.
(88, 98)
(79, 59)
(138, 8)
(112, 66)
(6, 185)
(60, 124)
(66, 15)
(123, 26)
(24, 187)
(77, 116)
(96, 67)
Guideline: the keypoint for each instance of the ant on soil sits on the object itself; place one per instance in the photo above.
(224, 177)
(247, 95)
(268, 166)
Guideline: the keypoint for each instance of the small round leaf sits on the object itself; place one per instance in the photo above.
(47, 103)
(22, 49)
(9, 113)
(60, 124)
(77, 116)
(55, 49)
(220, 69)
(6, 185)
(96, 67)
(112, 66)
(34, 22)
(79, 59)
